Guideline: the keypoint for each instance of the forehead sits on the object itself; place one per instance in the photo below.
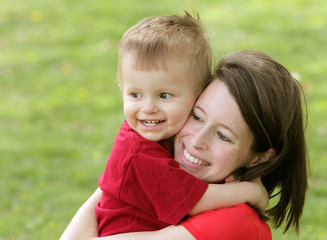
(217, 103)
(174, 66)
(174, 74)
(217, 93)
(149, 62)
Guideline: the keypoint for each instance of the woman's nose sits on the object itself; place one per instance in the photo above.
(150, 106)
(199, 140)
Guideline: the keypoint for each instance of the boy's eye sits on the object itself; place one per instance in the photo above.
(165, 95)
(136, 95)
(223, 137)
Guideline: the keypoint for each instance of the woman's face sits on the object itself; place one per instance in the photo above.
(215, 140)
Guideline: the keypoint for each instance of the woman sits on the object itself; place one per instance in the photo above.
(248, 123)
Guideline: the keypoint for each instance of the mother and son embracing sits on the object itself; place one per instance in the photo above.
(200, 152)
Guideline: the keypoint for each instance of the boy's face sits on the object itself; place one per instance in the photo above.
(157, 103)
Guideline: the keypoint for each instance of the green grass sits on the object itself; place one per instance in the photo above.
(60, 106)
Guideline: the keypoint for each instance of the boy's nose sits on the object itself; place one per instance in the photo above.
(150, 106)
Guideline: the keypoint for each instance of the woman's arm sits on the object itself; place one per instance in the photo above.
(168, 233)
(239, 222)
(84, 224)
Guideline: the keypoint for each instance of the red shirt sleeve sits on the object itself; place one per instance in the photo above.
(239, 222)
(156, 185)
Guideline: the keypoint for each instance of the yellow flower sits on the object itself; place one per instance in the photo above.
(36, 16)
(66, 68)
(4, 16)
(82, 92)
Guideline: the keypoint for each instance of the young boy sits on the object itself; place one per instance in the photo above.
(164, 64)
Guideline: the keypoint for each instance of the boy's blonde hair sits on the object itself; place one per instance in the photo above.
(156, 39)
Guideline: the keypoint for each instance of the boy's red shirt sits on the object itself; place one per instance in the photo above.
(143, 187)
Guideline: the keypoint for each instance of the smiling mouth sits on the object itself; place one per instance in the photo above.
(194, 160)
(152, 123)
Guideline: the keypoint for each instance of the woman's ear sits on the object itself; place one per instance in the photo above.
(262, 157)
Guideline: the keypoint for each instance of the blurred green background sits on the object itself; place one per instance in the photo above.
(60, 106)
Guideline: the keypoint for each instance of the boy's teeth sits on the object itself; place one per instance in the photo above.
(194, 160)
(150, 123)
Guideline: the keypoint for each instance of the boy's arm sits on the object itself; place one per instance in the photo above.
(231, 194)
(84, 224)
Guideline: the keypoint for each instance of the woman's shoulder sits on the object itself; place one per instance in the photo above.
(239, 222)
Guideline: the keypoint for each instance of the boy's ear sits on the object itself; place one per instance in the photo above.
(262, 157)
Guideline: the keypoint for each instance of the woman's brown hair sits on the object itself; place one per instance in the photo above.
(270, 100)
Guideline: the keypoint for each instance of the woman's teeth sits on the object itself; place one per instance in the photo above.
(194, 160)
(151, 123)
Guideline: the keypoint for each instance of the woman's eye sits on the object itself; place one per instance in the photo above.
(136, 95)
(165, 95)
(223, 137)
(195, 117)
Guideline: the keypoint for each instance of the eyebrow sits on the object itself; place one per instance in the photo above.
(200, 108)
(133, 86)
